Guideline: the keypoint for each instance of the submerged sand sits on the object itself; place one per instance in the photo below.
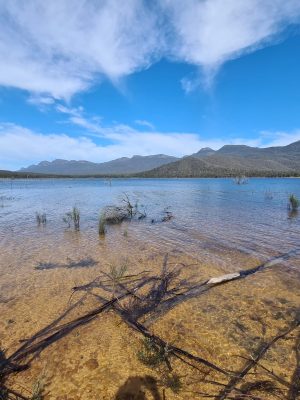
(226, 325)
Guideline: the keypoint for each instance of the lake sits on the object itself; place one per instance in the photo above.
(213, 227)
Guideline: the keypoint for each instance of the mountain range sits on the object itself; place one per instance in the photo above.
(122, 165)
(230, 160)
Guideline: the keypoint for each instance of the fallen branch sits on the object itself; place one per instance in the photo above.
(171, 349)
(252, 363)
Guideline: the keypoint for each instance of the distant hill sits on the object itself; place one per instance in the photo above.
(230, 160)
(233, 160)
(206, 151)
(119, 166)
(23, 175)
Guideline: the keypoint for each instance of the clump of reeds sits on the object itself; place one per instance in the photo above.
(151, 353)
(293, 203)
(41, 218)
(241, 180)
(168, 215)
(73, 217)
(102, 225)
(5, 198)
(116, 274)
(269, 195)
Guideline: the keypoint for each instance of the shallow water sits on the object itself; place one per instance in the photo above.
(208, 212)
(218, 227)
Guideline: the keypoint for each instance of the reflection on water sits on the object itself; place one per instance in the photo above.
(218, 228)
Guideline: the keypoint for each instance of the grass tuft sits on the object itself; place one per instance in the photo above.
(172, 381)
(151, 353)
(293, 203)
(102, 225)
(241, 180)
(38, 390)
(41, 218)
(73, 217)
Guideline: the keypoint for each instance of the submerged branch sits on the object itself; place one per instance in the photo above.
(253, 362)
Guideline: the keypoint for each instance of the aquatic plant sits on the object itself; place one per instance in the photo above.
(171, 381)
(293, 203)
(41, 218)
(102, 225)
(5, 198)
(241, 180)
(269, 195)
(151, 353)
(73, 217)
(167, 215)
(116, 273)
(37, 390)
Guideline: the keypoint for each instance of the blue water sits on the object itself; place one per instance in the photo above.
(208, 213)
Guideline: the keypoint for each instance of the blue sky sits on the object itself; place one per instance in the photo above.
(107, 79)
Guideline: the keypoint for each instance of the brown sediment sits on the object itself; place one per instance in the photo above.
(96, 358)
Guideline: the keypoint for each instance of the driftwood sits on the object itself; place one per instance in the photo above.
(194, 290)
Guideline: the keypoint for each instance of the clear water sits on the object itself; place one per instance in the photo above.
(209, 214)
(218, 227)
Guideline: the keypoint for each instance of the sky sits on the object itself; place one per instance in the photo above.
(101, 79)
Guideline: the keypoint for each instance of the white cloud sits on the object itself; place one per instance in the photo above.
(208, 33)
(58, 48)
(21, 147)
(279, 138)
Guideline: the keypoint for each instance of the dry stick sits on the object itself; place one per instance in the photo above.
(252, 363)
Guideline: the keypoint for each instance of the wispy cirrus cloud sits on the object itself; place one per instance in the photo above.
(144, 123)
(56, 48)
